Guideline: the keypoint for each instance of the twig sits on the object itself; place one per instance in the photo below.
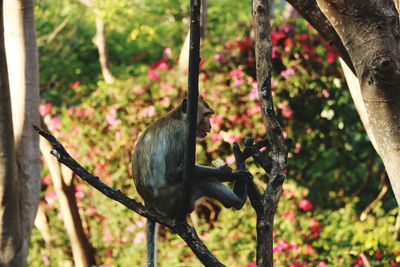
(185, 231)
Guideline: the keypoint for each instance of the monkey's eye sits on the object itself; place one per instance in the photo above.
(207, 114)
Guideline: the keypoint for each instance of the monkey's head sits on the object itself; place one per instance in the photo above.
(204, 111)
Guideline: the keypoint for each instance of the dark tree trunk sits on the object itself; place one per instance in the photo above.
(276, 168)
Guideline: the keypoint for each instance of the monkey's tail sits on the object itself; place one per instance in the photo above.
(151, 237)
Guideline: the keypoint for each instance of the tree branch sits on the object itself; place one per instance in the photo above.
(309, 10)
(275, 165)
(185, 231)
(193, 95)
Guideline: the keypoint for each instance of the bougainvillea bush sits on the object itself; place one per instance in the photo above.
(327, 215)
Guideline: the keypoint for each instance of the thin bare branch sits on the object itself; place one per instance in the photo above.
(185, 231)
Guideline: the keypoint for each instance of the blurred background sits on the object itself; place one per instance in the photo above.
(337, 207)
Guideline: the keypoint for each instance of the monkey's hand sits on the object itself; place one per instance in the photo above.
(225, 170)
(242, 175)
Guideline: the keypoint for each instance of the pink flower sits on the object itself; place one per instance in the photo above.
(230, 160)
(251, 264)
(243, 44)
(216, 120)
(107, 236)
(150, 111)
(79, 195)
(167, 52)
(321, 264)
(234, 118)
(297, 148)
(215, 137)
(75, 84)
(163, 66)
(99, 169)
(253, 93)
(141, 223)
(46, 180)
(112, 118)
(139, 238)
(325, 93)
(358, 262)
(303, 37)
(290, 215)
(288, 42)
(228, 45)
(330, 57)
(45, 260)
(131, 228)
(288, 72)
(273, 52)
(296, 263)
(54, 124)
(50, 197)
(92, 210)
(286, 111)
(227, 137)
(237, 83)
(305, 205)
(44, 109)
(276, 36)
(378, 256)
(282, 245)
(153, 75)
(309, 250)
(236, 73)
(314, 225)
(219, 58)
(159, 65)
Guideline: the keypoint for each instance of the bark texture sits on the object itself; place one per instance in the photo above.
(369, 29)
(266, 204)
(22, 60)
(11, 238)
(355, 91)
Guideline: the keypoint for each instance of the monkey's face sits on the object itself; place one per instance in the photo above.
(203, 120)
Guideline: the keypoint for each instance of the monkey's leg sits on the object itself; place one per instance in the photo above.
(151, 237)
(228, 198)
(167, 200)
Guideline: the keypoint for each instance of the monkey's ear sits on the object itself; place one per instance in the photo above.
(184, 105)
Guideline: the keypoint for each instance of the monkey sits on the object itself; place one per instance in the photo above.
(158, 169)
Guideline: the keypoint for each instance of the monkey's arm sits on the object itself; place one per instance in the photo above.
(223, 173)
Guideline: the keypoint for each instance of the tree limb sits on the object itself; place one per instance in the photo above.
(185, 231)
(309, 10)
(275, 166)
(191, 119)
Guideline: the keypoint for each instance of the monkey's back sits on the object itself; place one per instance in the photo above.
(158, 155)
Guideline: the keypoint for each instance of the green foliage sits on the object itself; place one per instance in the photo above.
(333, 172)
